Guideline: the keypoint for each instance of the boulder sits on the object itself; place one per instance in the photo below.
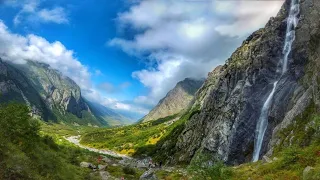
(84, 164)
(87, 165)
(141, 164)
(102, 167)
(106, 159)
(148, 175)
(266, 159)
(306, 172)
(124, 162)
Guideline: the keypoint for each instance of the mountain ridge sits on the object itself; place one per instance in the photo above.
(223, 127)
(50, 94)
(176, 100)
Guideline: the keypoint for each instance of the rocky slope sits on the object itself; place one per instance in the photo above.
(58, 91)
(232, 98)
(14, 86)
(176, 100)
(51, 95)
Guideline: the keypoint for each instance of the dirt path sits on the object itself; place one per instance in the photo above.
(76, 140)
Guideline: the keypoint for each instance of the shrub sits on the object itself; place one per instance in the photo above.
(129, 170)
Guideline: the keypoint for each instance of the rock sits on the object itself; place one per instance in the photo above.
(124, 162)
(306, 172)
(141, 164)
(275, 159)
(233, 95)
(148, 175)
(104, 175)
(87, 165)
(101, 167)
(266, 159)
(106, 159)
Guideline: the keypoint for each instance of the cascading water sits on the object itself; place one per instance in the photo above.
(292, 22)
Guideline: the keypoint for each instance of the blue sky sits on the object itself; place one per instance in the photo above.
(128, 54)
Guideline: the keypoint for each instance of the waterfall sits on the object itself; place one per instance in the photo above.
(292, 22)
(262, 124)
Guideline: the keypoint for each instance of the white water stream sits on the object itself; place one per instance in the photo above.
(292, 22)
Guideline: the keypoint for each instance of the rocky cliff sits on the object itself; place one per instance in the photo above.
(51, 95)
(14, 86)
(58, 91)
(176, 100)
(232, 98)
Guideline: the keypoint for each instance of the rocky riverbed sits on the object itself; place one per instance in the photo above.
(76, 140)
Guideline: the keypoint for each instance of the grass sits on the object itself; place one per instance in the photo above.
(125, 172)
(128, 139)
(299, 147)
(26, 153)
(171, 175)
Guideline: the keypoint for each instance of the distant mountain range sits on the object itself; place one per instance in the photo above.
(52, 96)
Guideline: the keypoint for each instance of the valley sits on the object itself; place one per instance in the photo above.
(255, 117)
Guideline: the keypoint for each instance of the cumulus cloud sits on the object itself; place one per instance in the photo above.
(125, 107)
(56, 15)
(186, 38)
(248, 16)
(31, 13)
(19, 49)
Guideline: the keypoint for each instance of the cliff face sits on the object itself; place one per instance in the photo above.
(58, 91)
(232, 98)
(176, 100)
(51, 95)
(14, 86)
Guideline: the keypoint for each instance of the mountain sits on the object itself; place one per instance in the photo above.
(108, 115)
(52, 96)
(262, 98)
(176, 100)
(14, 86)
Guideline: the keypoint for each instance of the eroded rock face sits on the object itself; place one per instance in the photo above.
(176, 100)
(15, 87)
(58, 91)
(225, 126)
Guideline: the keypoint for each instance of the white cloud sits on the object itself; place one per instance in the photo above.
(170, 70)
(56, 15)
(187, 38)
(18, 49)
(31, 13)
(131, 107)
(250, 15)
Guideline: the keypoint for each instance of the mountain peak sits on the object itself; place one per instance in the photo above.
(176, 99)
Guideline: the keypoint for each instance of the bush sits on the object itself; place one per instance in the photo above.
(202, 167)
(24, 154)
(129, 170)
